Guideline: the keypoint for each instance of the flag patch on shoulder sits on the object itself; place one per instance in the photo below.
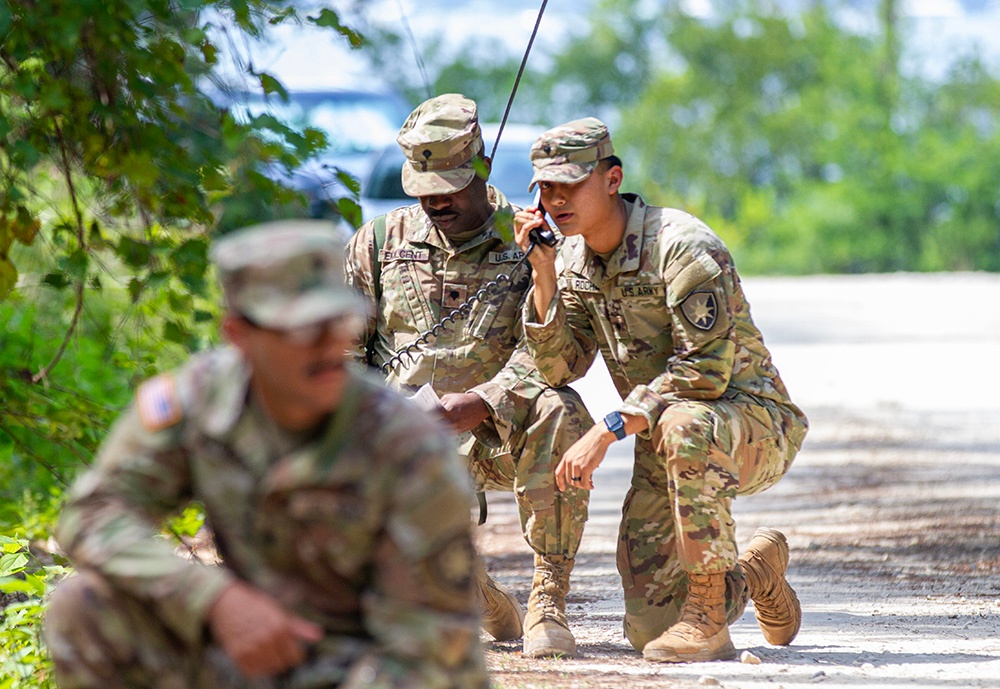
(158, 404)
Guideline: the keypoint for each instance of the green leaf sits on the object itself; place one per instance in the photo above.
(349, 181)
(135, 287)
(272, 85)
(56, 280)
(12, 563)
(174, 331)
(350, 210)
(8, 277)
(209, 52)
(25, 226)
(76, 263)
(135, 254)
(504, 224)
(329, 19)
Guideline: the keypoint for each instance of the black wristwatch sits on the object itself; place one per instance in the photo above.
(615, 424)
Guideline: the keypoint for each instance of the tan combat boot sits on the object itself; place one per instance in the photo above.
(503, 618)
(546, 631)
(701, 633)
(775, 604)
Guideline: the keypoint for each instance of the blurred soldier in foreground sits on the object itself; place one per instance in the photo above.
(340, 513)
(416, 265)
(657, 292)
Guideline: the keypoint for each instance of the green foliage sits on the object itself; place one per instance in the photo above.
(117, 165)
(24, 580)
(810, 150)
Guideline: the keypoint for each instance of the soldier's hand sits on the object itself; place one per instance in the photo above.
(261, 636)
(526, 220)
(463, 411)
(578, 463)
(542, 258)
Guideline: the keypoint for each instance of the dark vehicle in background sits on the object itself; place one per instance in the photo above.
(358, 125)
(511, 172)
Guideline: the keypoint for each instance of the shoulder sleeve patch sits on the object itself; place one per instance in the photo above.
(701, 309)
(158, 403)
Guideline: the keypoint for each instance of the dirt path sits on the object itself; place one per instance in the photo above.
(892, 510)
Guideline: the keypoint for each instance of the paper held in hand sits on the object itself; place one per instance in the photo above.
(426, 398)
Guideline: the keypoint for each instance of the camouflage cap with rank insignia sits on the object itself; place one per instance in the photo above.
(286, 274)
(440, 140)
(569, 152)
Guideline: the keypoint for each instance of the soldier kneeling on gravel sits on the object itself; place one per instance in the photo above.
(657, 292)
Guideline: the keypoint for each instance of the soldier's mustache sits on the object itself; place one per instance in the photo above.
(442, 214)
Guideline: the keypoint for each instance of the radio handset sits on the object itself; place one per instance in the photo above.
(541, 235)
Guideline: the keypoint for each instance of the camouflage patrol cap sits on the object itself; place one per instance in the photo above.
(569, 152)
(440, 140)
(286, 274)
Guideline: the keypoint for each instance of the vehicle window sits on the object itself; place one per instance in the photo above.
(386, 179)
(512, 171)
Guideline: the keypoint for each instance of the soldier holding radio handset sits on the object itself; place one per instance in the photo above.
(657, 292)
(417, 265)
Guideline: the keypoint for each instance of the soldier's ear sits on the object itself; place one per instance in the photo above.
(613, 178)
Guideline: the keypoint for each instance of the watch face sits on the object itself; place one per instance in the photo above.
(615, 424)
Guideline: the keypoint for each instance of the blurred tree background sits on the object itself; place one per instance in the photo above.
(809, 145)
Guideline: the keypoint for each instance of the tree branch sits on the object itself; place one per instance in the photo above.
(79, 290)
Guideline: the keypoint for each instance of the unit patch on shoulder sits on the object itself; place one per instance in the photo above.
(701, 309)
(158, 403)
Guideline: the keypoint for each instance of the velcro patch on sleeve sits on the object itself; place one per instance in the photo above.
(158, 403)
(682, 280)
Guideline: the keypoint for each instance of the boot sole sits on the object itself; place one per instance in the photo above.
(549, 652)
(657, 655)
(549, 647)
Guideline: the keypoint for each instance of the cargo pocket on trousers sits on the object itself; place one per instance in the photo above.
(762, 459)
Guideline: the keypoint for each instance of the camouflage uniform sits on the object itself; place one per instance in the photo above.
(668, 314)
(360, 526)
(423, 277)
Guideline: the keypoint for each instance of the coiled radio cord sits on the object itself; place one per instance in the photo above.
(461, 311)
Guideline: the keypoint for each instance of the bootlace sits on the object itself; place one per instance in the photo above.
(552, 574)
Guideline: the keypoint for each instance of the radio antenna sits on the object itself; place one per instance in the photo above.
(413, 46)
(517, 81)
